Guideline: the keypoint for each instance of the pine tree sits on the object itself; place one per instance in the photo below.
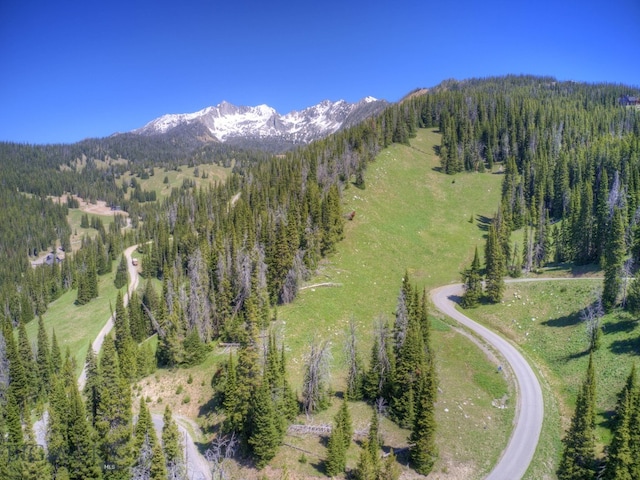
(28, 362)
(158, 465)
(339, 441)
(171, 443)
(423, 451)
(56, 355)
(633, 296)
(43, 360)
(620, 459)
(578, 457)
(264, 438)
(122, 275)
(613, 256)
(113, 419)
(15, 439)
(83, 459)
(124, 343)
(92, 384)
(494, 270)
(472, 284)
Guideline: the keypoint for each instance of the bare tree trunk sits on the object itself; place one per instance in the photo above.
(314, 388)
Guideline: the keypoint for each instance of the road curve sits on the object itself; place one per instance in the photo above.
(515, 459)
(197, 466)
(97, 343)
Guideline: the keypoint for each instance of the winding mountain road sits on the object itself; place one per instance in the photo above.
(529, 413)
(197, 466)
(133, 284)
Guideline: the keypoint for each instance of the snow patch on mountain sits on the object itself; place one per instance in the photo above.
(226, 121)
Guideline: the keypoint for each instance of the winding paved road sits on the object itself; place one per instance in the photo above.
(530, 407)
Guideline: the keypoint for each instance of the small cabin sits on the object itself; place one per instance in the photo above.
(629, 100)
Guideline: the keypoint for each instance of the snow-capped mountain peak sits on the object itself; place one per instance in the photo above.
(240, 124)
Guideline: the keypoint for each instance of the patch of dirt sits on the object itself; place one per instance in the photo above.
(173, 388)
(98, 208)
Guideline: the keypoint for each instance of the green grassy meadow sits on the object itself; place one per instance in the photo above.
(409, 218)
(543, 318)
(77, 326)
(214, 174)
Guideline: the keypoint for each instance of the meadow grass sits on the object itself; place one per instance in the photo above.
(409, 218)
(175, 178)
(76, 326)
(543, 318)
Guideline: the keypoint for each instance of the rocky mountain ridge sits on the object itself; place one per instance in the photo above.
(262, 124)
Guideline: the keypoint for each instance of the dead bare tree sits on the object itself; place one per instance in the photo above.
(316, 378)
(354, 365)
(199, 307)
(4, 368)
(221, 449)
(142, 469)
(592, 316)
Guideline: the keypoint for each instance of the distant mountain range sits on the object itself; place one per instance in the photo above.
(261, 126)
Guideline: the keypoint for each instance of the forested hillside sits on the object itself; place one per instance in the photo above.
(228, 254)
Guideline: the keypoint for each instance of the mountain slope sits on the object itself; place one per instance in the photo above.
(262, 126)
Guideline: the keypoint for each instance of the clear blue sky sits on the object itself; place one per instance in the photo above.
(75, 69)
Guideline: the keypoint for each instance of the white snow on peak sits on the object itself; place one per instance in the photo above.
(226, 120)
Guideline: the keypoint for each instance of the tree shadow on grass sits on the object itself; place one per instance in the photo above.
(628, 346)
(483, 222)
(576, 356)
(608, 419)
(625, 325)
(564, 321)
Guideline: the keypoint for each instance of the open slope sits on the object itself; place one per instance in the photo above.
(409, 218)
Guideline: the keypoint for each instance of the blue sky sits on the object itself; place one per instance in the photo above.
(77, 69)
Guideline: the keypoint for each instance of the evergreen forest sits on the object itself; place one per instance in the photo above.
(221, 260)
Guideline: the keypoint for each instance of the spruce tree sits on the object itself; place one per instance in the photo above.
(264, 438)
(620, 459)
(122, 275)
(632, 304)
(92, 384)
(158, 466)
(4, 452)
(366, 468)
(56, 355)
(124, 343)
(423, 451)
(578, 457)
(28, 362)
(472, 284)
(83, 460)
(494, 270)
(15, 439)
(43, 360)
(113, 419)
(339, 441)
(58, 426)
(613, 257)
(171, 443)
